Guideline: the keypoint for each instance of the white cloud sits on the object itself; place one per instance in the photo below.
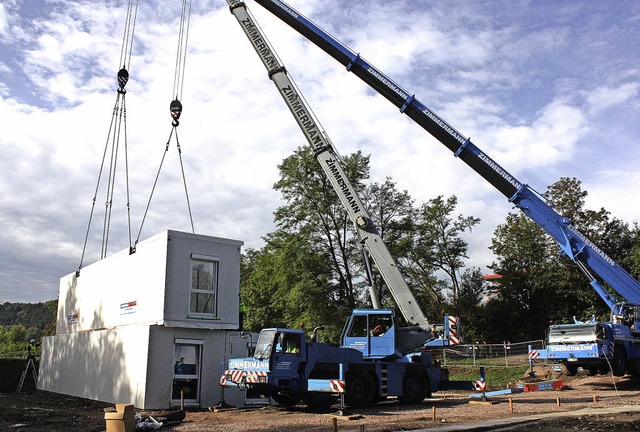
(495, 75)
(606, 97)
(4, 20)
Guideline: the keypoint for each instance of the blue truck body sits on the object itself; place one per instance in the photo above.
(366, 368)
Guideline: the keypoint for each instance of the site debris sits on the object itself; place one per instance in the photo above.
(600, 403)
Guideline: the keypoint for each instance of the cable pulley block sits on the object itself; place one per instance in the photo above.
(123, 79)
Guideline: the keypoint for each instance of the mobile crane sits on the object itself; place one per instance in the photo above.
(378, 358)
(594, 346)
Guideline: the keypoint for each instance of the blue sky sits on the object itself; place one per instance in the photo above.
(548, 89)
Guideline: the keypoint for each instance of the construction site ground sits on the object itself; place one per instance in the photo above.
(616, 407)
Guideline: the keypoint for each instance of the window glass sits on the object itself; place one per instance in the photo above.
(204, 287)
(265, 344)
(358, 326)
(186, 373)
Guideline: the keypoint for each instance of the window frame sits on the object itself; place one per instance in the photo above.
(206, 259)
(178, 378)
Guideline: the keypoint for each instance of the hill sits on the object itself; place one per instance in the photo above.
(30, 315)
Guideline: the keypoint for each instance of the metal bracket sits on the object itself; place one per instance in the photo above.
(353, 61)
(462, 147)
(407, 102)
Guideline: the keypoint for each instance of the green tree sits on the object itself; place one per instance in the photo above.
(540, 283)
(469, 307)
(434, 243)
(392, 212)
(286, 283)
(311, 268)
(17, 334)
(632, 260)
(313, 208)
(438, 225)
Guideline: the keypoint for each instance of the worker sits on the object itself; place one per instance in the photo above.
(292, 344)
(378, 330)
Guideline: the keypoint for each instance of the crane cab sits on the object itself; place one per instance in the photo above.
(372, 332)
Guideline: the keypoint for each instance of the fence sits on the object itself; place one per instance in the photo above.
(505, 354)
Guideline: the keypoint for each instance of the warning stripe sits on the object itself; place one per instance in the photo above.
(480, 385)
(236, 376)
(533, 354)
(337, 386)
(454, 338)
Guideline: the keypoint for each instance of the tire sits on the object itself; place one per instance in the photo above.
(358, 390)
(415, 387)
(570, 369)
(619, 361)
(287, 400)
(634, 367)
(318, 401)
(603, 370)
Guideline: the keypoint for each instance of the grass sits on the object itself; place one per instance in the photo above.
(496, 377)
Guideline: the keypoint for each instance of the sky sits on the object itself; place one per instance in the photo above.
(548, 89)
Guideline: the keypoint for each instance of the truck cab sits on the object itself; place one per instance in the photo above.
(372, 332)
(288, 367)
(278, 357)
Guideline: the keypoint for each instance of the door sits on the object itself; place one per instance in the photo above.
(186, 372)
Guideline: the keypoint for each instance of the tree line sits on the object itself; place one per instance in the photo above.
(311, 270)
(22, 322)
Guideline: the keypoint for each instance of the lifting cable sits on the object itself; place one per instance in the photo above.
(175, 108)
(117, 127)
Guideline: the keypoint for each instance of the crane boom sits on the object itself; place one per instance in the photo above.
(332, 167)
(575, 244)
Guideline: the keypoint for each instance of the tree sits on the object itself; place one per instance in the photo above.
(632, 260)
(286, 283)
(392, 212)
(540, 283)
(314, 257)
(437, 225)
(610, 234)
(313, 208)
(469, 307)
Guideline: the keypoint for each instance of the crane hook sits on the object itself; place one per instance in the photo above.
(176, 110)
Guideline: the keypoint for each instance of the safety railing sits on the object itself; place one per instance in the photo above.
(504, 354)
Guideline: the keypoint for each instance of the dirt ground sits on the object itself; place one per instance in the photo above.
(49, 412)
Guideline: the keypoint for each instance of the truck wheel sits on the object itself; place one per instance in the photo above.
(619, 362)
(287, 400)
(415, 388)
(634, 367)
(591, 371)
(603, 370)
(571, 369)
(359, 390)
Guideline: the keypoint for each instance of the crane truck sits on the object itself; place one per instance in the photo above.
(594, 346)
(377, 358)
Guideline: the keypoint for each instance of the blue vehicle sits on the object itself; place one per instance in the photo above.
(598, 347)
(377, 359)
